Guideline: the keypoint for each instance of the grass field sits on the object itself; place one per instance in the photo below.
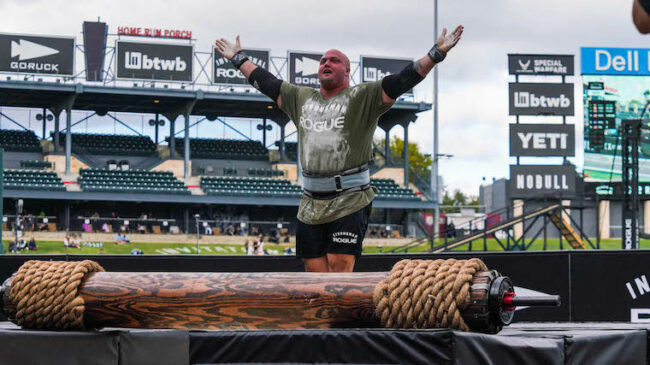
(159, 248)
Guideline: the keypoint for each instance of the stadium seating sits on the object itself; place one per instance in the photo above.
(388, 189)
(35, 164)
(290, 149)
(19, 141)
(265, 172)
(32, 180)
(230, 149)
(249, 186)
(111, 144)
(131, 181)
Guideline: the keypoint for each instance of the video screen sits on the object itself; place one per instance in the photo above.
(608, 100)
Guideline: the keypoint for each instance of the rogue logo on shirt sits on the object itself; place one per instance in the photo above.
(322, 125)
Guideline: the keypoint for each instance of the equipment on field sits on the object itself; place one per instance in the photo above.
(458, 294)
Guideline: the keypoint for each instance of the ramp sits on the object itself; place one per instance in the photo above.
(501, 226)
(567, 231)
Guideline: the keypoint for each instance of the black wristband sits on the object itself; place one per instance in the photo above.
(436, 54)
(238, 59)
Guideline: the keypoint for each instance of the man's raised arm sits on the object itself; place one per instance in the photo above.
(397, 84)
(260, 78)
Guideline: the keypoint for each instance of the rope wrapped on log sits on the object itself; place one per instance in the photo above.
(47, 294)
(426, 293)
(415, 294)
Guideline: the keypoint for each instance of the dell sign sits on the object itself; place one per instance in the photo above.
(615, 61)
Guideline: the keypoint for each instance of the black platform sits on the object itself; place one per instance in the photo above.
(526, 343)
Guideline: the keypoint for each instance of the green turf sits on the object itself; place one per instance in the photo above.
(156, 248)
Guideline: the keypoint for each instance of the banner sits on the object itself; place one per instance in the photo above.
(223, 72)
(541, 99)
(542, 140)
(303, 68)
(154, 61)
(375, 69)
(37, 54)
(615, 61)
(528, 181)
(94, 49)
(539, 64)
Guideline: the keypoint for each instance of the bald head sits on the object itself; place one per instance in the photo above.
(334, 71)
(339, 54)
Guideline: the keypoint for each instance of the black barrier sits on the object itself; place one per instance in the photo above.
(594, 285)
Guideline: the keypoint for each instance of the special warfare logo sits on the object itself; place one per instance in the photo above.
(26, 50)
(345, 237)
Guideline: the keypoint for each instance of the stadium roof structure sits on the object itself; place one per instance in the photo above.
(168, 102)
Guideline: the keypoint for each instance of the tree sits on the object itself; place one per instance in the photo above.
(452, 203)
(418, 161)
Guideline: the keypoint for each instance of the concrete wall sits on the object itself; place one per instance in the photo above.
(11, 160)
(218, 166)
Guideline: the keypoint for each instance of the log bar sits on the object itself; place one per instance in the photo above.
(263, 300)
(226, 300)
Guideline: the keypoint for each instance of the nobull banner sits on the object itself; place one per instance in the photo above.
(303, 68)
(529, 181)
(37, 54)
(375, 69)
(541, 99)
(223, 72)
(154, 61)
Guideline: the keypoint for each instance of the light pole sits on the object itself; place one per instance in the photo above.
(198, 235)
(434, 170)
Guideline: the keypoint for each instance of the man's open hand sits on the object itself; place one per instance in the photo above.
(448, 41)
(226, 48)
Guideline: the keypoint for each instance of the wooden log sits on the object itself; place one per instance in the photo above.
(230, 300)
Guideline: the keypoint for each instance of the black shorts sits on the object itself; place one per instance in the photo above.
(342, 236)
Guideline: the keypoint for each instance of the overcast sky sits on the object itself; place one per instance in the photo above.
(473, 105)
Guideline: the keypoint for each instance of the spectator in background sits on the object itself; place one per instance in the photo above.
(274, 236)
(249, 248)
(259, 245)
(32, 244)
(136, 251)
(373, 232)
(12, 246)
(141, 228)
(119, 239)
(76, 242)
(67, 242)
(105, 228)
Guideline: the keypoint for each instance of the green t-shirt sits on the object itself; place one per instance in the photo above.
(334, 135)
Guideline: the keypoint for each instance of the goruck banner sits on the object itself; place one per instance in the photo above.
(303, 68)
(154, 61)
(37, 54)
(223, 72)
(375, 69)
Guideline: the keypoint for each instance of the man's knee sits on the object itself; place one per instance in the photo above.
(340, 262)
